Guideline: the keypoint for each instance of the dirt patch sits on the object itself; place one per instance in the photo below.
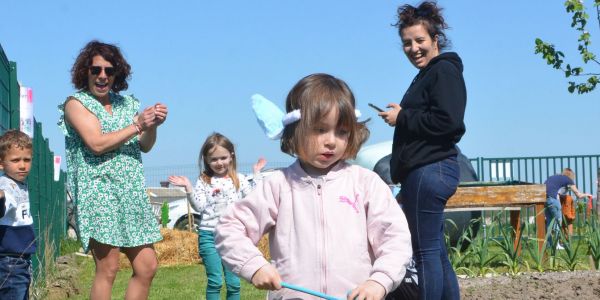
(63, 283)
(548, 285)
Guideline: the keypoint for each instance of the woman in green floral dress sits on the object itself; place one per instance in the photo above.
(104, 137)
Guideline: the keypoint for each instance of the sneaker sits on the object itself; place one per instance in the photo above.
(559, 247)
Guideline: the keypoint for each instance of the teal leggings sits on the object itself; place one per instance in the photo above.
(215, 269)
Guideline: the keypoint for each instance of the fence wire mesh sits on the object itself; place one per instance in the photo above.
(154, 175)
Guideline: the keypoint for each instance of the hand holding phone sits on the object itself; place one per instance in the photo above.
(375, 107)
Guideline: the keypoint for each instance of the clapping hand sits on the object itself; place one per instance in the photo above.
(152, 116)
(259, 165)
(181, 181)
(147, 119)
(160, 112)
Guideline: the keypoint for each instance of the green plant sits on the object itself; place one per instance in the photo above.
(164, 214)
(569, 253)
(68, 246)
(555, 58)
(46, 269)
(459, 258)
(510, 250)
(553, 250)
(535, 252)
(481, 255)
(592, 238)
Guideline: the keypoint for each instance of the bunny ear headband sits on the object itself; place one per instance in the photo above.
(272, 120)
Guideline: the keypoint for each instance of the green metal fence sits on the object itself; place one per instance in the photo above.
(47, 197)
(5, 91)
(154, 175)
(537, 170)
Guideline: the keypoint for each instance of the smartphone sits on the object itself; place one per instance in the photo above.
(376, 107)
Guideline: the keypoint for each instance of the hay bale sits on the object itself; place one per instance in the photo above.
(178, 247)
(181, 248)
(263, 246)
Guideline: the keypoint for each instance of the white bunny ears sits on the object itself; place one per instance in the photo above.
(272, 120)
(269, 116)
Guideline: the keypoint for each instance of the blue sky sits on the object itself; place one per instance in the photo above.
(204, 59)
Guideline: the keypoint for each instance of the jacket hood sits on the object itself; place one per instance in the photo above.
(450, 57)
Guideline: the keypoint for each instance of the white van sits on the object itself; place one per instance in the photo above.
(181, 214)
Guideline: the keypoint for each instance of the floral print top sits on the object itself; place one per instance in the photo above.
(108, 190)
(211, 200)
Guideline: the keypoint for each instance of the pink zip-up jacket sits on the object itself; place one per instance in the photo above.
(328, 234)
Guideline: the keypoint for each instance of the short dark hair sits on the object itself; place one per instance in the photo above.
(111, 53)
(14, 138)
(427, 14)
(315, 96)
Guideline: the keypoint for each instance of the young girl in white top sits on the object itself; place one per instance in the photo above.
(333, 227)
(218, 186)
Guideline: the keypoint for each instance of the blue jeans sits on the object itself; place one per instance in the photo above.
(425, 192)
(215, 269)
(15, 277)
(553, 211)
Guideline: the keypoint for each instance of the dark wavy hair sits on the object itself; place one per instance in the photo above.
(111, 53)
(315, 96)
(429, 15)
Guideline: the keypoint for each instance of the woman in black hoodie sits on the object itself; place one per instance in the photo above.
(428, 124)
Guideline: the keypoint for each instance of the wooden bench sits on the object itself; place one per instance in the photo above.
(509, 195)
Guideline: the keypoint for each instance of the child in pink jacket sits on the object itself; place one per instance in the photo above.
(333, 227)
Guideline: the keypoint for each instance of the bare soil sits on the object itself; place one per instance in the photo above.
(64, 282)
(548, 285)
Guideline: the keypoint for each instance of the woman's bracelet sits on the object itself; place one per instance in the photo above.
(138, 128)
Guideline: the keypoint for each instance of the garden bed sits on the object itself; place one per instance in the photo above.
(547, 285)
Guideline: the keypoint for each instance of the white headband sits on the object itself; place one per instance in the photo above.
(272, 120)
(294, 116)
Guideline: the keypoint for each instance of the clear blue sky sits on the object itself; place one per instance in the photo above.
(204, 59)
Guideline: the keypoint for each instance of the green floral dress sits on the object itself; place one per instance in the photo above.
(109, 189)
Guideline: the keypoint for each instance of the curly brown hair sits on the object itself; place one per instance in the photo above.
(427, 14)
(315, 96)
(14, 138)
(111, 53)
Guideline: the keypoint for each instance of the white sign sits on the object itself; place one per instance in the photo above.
(57, 160)
(26, 107)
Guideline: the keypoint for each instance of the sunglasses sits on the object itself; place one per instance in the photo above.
(96, 70)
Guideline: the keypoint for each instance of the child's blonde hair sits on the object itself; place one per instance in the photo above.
(569, 173)
(14, 138)
(315, 96)
(213, 140)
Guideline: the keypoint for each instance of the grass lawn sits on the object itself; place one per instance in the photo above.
(177, 282)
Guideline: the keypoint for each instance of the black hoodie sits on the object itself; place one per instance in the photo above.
(431, 120)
